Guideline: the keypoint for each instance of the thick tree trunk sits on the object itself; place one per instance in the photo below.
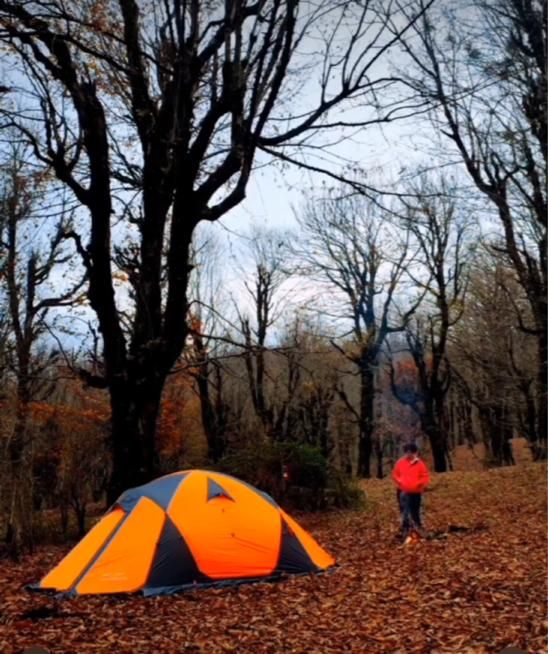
(367, 405)
(364, 453)
(135, 406)
(438, 448)
(529, 420)
(431, 425)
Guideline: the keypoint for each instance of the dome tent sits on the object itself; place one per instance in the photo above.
(185, 530)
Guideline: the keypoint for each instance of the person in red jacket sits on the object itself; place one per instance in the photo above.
(411, 476)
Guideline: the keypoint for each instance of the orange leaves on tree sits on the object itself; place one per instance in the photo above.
(180, 424)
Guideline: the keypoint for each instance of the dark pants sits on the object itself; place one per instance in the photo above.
(410, 511)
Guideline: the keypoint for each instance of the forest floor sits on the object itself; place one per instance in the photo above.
(472, 591)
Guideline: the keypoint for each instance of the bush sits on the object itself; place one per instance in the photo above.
(295, 475)
(342, 492)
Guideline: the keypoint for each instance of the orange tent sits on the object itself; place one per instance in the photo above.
(188, 529)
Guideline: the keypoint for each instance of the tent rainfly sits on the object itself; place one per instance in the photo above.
(186, 530)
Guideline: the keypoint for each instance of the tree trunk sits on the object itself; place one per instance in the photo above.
(64, 517)
(379, 454)
(438, 448)
(485, 430)
(212, 414)
(507, 452)
(431, 425)
(324, 432)
(215, 439)
(80, 509)
(529, 420)
(541, 449)
(468, 428)
(135, 406)
(19, 535)
(367, 405)
(496, 430)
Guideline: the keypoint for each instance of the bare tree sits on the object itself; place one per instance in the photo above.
(27, 272)
(153, 114)
(345, 247)
(442, 235)
(209, 339)
(4, 346)
(310, 416)
(483, 69)
(268, 250)
(493, 360)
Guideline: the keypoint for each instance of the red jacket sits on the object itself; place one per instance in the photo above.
(411, 476)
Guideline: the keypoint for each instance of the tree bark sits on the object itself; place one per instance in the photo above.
(212, 420)
(432, 424)
(135, 405)
(366, 422)
(379, 453)
(437, 446)
(541, 449)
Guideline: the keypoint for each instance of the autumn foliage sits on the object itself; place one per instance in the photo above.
(180, 435)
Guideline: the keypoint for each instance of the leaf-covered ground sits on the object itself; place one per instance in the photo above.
(473, 591)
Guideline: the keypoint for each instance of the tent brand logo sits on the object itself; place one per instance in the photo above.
(35, 650)
(513, 650)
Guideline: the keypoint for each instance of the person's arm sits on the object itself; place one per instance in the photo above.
(396, 473)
